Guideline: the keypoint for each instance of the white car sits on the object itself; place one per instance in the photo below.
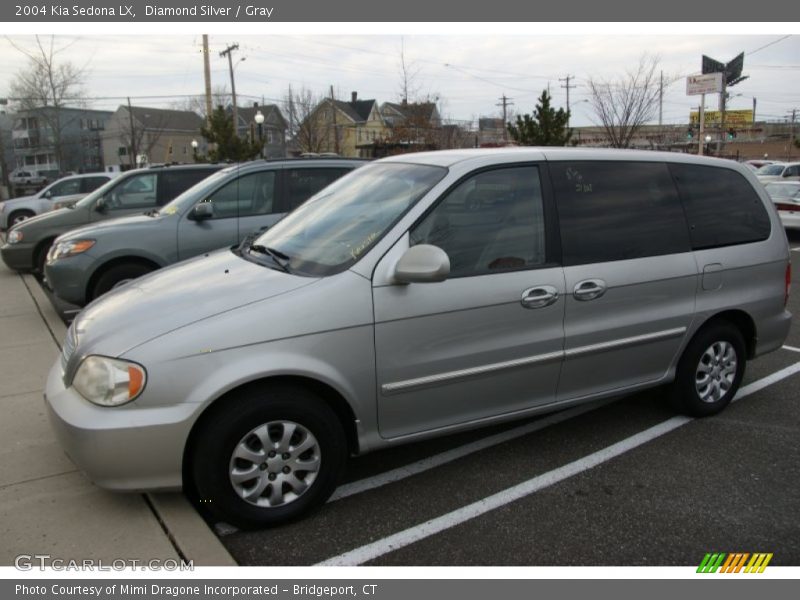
(66, 189)
(23, 177)
(786, 197)
(779, 172)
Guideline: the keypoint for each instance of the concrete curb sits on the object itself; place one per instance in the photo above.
(186, 531)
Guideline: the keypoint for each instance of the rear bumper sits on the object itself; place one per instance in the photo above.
(772, 332)
(122, 449)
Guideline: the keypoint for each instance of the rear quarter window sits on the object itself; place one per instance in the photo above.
(722, 208)
(616, 210)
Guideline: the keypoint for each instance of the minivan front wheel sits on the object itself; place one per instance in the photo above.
(710, 370)
(267, 456)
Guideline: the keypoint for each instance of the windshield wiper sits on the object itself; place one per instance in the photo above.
(277, 256)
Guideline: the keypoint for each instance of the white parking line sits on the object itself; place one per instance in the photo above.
(416, 533)
(792, 348)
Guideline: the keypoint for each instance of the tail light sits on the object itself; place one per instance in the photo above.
(786, 206)
(788, 282)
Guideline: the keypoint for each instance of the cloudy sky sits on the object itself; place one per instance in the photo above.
(469, 73)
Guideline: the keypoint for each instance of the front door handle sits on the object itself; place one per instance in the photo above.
(589, 289)
(539, 297)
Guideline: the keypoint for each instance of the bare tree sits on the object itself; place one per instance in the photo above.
(308, 127)
(409, 74)
(220, 96)
(46, 85)
(141, 137)
(624, 104)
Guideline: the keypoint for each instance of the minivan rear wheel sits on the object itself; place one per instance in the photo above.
(270, 456)
(710, 370)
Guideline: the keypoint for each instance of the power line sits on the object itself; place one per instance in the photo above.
(772, 43)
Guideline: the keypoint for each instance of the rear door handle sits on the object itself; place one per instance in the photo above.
(589, 289)
(539, 297)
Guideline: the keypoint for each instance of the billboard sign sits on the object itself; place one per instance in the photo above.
(710, 83)
(733, 118)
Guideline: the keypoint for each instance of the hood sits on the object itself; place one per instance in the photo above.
(175, 297)
(109, 226)
(50, 215)
(18, 200)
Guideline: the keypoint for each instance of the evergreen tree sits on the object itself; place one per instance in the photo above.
(547, 126)
(227, 145)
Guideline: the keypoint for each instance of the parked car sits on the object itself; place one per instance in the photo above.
(23, 177)
(218, 212)
(779, 172)
(786, 197)
(384, 311)
(133, 192)
(68, 189)
(758, 163)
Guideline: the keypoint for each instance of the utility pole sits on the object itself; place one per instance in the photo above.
(229, 52)
(207, 78)
(505, 102)
(723, 101)
(134, 161)
(791, 134)
(702, 116)
(660, 99)
(568, 87)
(335, 128)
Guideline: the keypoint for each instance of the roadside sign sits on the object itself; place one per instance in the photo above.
(732, 117)
(710, 83)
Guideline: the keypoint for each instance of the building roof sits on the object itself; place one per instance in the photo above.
(421, 110)
(358, 110)
(272, 115)
(162, 118)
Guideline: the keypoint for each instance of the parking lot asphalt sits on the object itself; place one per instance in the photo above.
(46, 505)
(619, 482)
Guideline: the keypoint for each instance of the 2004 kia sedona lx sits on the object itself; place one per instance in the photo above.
(417, 296)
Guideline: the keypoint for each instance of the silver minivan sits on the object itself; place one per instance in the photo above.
(418, 296)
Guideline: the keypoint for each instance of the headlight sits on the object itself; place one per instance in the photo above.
(14, 236)
(109, 381)
(71, 248)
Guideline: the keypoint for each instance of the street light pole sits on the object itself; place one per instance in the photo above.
(259, 119)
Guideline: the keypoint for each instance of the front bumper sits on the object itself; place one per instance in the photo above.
(128, 448)
(68, 277)
(18, 256)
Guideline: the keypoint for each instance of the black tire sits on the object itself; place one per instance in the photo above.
(18, 216)
(211, 460)
(712, 345)
(41, 256)
(116, 275)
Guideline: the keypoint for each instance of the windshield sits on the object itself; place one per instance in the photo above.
(197, 192)
(332, 230)
(770, 170)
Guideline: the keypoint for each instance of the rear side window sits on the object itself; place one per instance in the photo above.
(301, 184)
(174, 183)
(617, 210)
(721, 206)
(90, 184)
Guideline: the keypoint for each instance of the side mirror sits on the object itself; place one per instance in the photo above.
(202, 211)
(100, 205)
(422, 264)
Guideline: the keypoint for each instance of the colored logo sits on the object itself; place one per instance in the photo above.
(735, 562)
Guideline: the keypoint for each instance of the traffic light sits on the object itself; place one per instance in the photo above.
(731, 134)
(689, 134)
